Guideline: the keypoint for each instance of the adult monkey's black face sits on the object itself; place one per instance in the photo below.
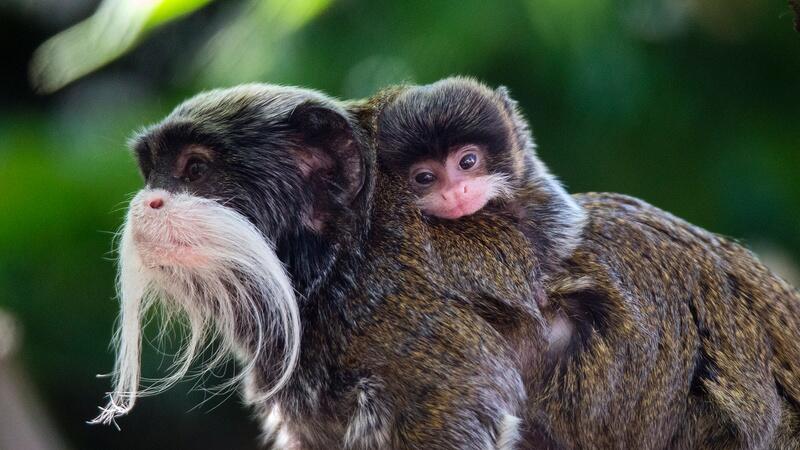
(241, 184)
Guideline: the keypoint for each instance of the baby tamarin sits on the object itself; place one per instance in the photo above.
(453, 142)
(463, 147)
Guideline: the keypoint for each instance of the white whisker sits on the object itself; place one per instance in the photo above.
(209, 267)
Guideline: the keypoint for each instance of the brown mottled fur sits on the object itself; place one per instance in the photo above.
(674, 347)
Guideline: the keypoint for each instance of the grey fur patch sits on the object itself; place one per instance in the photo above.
(369, 428)
(508, 432)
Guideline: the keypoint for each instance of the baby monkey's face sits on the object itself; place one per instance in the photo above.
(459, 186)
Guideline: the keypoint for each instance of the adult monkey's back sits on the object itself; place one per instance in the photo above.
(680, 338)
(683, 339)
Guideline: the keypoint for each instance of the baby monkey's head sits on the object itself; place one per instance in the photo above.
(457, 143)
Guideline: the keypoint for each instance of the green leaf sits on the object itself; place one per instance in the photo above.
(169, 10)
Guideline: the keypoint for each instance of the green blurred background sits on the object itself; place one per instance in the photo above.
(692, 105)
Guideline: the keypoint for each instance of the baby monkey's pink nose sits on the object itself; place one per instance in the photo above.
(455, 193)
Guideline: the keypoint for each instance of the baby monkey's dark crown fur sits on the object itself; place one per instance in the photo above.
(427, 121)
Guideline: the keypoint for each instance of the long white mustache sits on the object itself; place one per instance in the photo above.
(208, 265)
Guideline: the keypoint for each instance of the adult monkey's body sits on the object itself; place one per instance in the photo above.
(393, 354)
(678, 338)
(683, 339)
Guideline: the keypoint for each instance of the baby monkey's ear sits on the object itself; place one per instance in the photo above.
(504, 98)
(519, 125)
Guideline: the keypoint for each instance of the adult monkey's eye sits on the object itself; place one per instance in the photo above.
(468, 161)
(195, 169)
(424, 178)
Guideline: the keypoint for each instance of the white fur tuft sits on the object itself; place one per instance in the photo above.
(508, 432)
(369, 426)
(498, 186)
(209, 265)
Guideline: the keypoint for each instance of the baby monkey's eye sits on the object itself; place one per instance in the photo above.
(195, 169)
(468, 161)
(425, 178)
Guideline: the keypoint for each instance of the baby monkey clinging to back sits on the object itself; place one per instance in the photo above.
(463, 147)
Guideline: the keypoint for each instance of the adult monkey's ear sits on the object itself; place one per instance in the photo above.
(328, 154)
